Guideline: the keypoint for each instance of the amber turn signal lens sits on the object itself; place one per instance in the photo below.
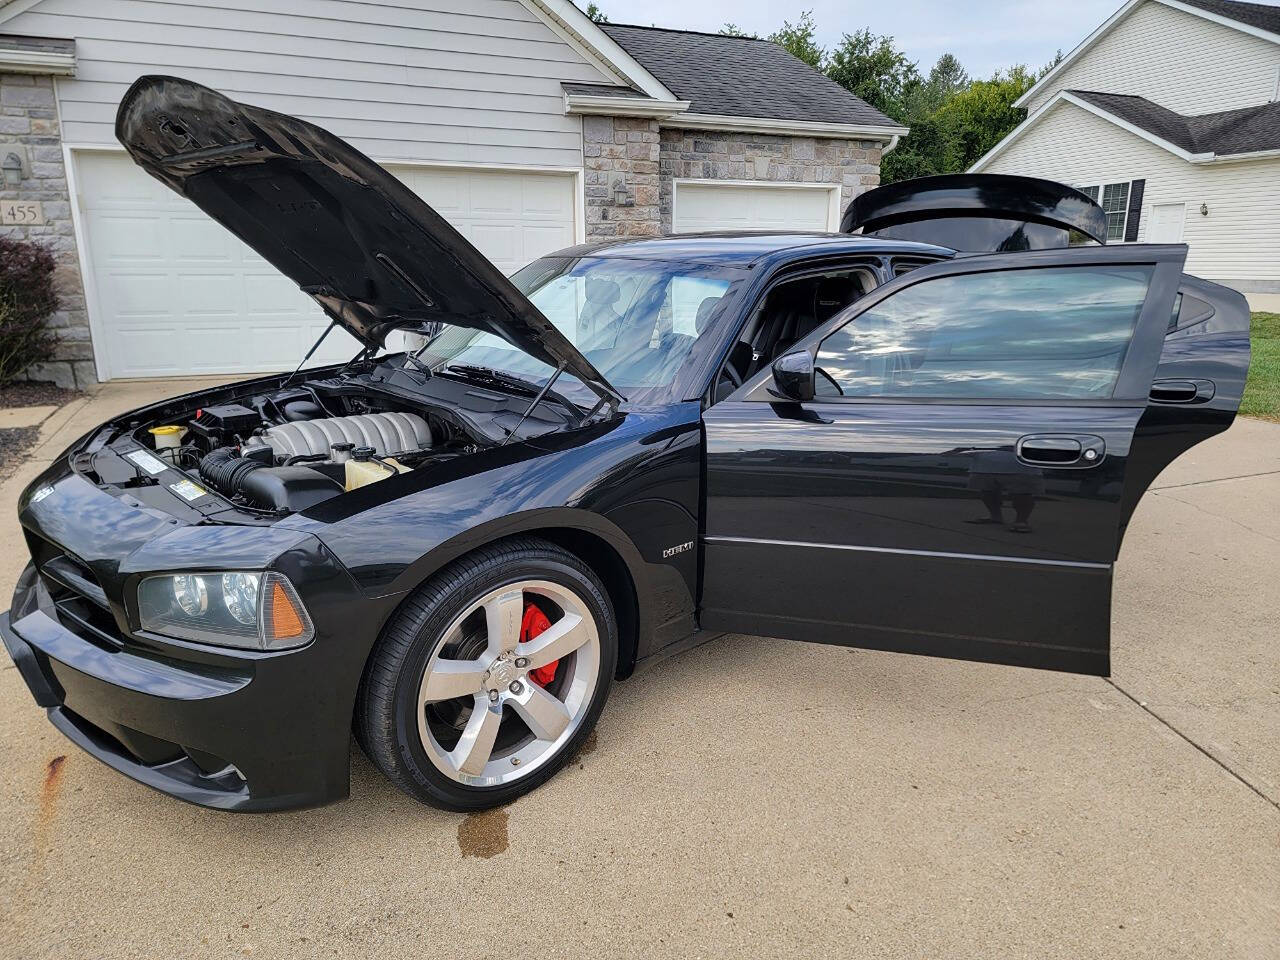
(285, 623)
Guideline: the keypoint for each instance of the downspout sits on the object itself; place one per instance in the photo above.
(888, 148)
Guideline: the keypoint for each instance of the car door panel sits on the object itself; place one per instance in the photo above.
(872, 522)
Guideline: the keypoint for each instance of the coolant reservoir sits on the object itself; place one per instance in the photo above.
(362, 469)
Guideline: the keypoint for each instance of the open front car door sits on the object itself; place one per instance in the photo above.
(948, 467)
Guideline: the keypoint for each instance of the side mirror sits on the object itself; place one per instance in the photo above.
(793, 376)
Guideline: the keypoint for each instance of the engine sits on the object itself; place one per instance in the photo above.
(285, 455)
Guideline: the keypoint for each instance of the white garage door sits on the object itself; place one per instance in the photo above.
(175, 293)
(723, 206)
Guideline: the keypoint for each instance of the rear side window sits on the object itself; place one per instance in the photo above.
(1045, 333)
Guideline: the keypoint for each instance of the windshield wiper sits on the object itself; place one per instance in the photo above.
(511, 381)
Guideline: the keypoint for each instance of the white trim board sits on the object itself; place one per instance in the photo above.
(1114, 20)
(833, 190)
(46, 62)
(585, 104)
(584, 35)
(797, 128)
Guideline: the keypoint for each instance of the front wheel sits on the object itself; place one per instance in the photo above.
(490, 676)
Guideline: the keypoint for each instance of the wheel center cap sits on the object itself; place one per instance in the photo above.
(501, 673)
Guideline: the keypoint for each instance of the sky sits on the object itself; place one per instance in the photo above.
(985, 35)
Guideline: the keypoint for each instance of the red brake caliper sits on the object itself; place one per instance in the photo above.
(532, 624)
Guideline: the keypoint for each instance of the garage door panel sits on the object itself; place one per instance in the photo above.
(135, 239)
(268, 293)
(205, 294)
(200, 240)
(155, 259)
(724, 206)
(126, 294)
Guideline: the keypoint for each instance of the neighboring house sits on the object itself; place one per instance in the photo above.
(1167, 114)
(525, 124)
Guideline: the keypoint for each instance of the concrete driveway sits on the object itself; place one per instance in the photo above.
(733, 804)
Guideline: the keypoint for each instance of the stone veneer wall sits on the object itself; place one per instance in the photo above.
(28, 115)
(711, 155)
(626, 148)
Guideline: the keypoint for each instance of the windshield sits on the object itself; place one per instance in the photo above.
(637, 321)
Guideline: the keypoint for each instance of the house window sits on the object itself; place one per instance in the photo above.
(1114, 200)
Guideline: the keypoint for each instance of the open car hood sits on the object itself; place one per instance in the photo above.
(977, 212)
(369, 250)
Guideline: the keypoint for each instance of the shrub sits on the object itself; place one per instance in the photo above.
(27, 300)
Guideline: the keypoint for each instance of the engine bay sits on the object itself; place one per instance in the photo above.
(286, 450)
(278, 446)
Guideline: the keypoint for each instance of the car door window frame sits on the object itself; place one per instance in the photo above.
(1132, 385)
(876, 266)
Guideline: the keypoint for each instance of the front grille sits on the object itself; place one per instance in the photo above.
(79, 602)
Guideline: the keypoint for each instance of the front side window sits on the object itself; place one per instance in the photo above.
(1054, 332)
(636, 320)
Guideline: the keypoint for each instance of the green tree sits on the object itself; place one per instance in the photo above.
(800, 40)
(596, 14)
(733, 30)
(872, 68)
(982, 115)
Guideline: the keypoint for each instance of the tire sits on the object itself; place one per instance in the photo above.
(446, 667)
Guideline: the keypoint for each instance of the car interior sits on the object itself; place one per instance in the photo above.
(789, 312)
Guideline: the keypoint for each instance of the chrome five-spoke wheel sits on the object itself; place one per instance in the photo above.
(490, 710)
(489, 675)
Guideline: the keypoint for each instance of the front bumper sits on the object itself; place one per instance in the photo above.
(230, 729)
(240, 735)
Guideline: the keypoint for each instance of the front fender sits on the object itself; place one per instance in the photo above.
(635, 488)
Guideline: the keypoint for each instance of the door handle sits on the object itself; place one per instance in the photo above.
(1061, 450)
(1181, 391)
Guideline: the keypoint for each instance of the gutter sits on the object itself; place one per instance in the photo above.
(584, 104)
(43, 62)
(797, 128)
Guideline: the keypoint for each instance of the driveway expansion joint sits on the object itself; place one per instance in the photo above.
(1141, 704)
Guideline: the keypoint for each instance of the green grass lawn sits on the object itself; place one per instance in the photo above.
(1262, 391)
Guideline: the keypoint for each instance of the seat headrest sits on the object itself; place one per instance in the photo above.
(833, 294)
(601, 291)
(705, 309)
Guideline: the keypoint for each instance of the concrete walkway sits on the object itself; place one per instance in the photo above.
(733, 805)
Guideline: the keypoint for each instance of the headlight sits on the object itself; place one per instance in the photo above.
(256, 611)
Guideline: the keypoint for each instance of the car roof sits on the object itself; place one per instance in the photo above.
(745, 248)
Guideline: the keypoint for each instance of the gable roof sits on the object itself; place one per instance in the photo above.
(742, 77)
(1257, 19)
(1260, 15)
(1203, 138)
(1222, 134)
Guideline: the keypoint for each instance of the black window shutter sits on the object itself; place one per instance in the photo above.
(1136, 189)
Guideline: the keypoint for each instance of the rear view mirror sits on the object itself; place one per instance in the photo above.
(793, 376)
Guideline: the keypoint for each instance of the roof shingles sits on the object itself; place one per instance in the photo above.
(741, 77)
(1246, 130)
(1261, 16)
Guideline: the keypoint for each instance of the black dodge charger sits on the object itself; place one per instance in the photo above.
(927, 436)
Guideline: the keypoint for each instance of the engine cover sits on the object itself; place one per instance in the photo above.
(387, 433)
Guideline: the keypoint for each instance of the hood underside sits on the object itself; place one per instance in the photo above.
(371, 252)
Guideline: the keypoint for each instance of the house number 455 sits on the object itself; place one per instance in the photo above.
(21, 213)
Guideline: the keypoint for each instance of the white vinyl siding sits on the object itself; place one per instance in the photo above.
(1183, 62)
(1237, 242)
(475, 82)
